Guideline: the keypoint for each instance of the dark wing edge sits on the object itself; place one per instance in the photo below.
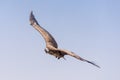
(46, 35)
(32, 19)
(78, 57)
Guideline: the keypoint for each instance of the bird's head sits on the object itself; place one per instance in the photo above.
(46, 50)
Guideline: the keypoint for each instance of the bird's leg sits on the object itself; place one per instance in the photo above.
(58, 57)
(64, 58)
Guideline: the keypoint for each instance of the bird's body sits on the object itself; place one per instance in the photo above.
(51, 44)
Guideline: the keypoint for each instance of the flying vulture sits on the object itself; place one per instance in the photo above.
(51, 44)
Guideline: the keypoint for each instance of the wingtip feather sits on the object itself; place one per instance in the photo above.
(32, 19)
(93, 64)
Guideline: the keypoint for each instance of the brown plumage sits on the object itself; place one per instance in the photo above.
(51, 44)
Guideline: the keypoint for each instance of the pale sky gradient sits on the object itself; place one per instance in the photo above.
(90, 28)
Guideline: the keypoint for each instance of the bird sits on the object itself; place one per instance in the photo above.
(51, 44)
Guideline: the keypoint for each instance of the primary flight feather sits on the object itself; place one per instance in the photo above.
(51, 44)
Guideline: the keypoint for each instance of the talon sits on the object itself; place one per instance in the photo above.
(58, 57)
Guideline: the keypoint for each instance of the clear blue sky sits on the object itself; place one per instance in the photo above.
(90, 28)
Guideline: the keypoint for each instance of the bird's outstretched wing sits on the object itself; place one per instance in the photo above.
(46, 35)
(66, 52)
